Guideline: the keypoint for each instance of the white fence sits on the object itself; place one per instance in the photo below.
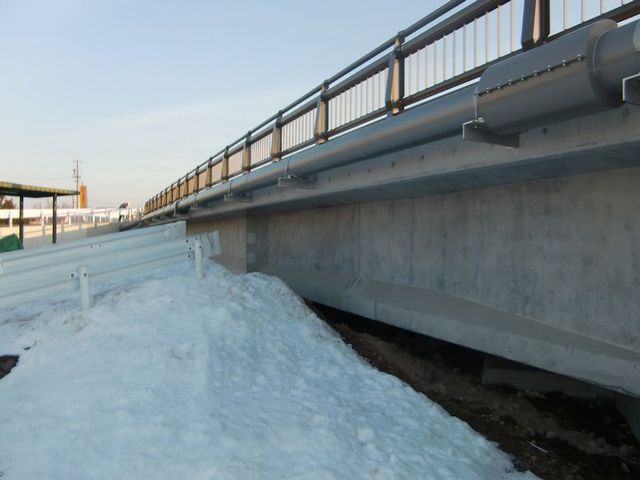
(71, 216)
(27, 275)
(73, 223)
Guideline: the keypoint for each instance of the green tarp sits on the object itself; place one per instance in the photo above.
(10, 243)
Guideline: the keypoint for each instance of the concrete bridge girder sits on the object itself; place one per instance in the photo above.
(532, 254)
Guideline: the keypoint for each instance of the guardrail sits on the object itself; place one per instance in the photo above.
(418, 63)
(29, 275)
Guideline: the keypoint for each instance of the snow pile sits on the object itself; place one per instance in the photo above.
(168, 377)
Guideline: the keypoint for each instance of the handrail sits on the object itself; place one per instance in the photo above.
(395, 75)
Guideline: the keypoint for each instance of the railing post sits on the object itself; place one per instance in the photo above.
(246, 153)
(322, 117)
(395, 80)
(276, 139)
(224, 175)
(196, 180)
(209, 176)
(536, 23)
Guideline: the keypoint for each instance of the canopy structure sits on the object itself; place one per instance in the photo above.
(31, 191)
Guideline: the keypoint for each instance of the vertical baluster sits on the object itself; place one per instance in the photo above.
(444, 58)
(512, 24)
(408, 77)
(305, 128)
(427, 69)
(290, 135)
(418, 70)
(499, 33)
(435, 62)
(332, 113)
(464, 48)
(445, 52)
(365, 94)
(475, 42)
(372, 90)
(486, 38)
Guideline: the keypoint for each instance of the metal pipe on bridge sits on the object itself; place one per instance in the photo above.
(578, 74)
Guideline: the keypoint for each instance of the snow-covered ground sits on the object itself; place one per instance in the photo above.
(232, 377)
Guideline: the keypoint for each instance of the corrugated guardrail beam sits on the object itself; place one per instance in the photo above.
(31, 274)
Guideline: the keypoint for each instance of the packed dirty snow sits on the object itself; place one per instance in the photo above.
(231, 377)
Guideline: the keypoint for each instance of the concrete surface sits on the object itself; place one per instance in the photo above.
(543, 272)
(530, 254)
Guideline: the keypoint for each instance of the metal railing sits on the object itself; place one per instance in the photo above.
(47, 272)
(422, 61)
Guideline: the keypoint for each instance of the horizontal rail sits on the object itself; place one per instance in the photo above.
(32, 274)
(469, 37)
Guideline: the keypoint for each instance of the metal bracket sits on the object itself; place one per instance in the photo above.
(477, 131)
(631, 89)
(292, 181)
(236, 197)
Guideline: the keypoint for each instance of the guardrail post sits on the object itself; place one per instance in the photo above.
(246, 153)
(276, 139)
(85, 288)
(198, 258)
(224, 174)
(536, 23)
(395, 80)
(322, 117)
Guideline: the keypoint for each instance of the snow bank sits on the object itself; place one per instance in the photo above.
(228, 378)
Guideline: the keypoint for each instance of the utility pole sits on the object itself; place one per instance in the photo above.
(76, 175)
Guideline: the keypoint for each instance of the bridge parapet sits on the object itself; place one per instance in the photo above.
(423, 61)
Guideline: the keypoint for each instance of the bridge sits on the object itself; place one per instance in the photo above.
(474, 178)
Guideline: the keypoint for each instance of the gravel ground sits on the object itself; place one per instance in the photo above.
(554, 436)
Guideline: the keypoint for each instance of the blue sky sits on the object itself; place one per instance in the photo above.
(142, 91)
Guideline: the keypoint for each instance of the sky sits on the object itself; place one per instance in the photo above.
(141, 91)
